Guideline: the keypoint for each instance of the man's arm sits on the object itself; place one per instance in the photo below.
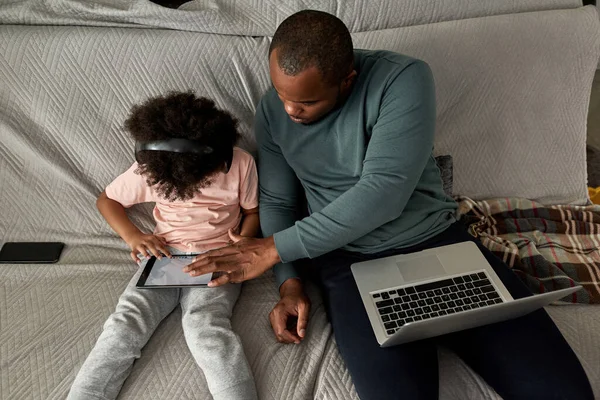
(278, 190)
(398, 151)
(279, 199)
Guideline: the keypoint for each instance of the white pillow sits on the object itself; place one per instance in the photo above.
(512, 95)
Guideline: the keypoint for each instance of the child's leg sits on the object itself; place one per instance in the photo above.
(126, 331)
(214, 345)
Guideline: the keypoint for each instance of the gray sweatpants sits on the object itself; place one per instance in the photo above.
(207, 329)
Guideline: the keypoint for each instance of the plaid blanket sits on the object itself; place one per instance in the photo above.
(549, 247)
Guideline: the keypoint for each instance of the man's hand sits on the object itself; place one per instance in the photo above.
(246, 259)
(147, 245)
(294, 304)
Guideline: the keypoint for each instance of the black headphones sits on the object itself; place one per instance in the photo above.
(177, 145)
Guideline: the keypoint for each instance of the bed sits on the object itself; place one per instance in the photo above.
(513, 82)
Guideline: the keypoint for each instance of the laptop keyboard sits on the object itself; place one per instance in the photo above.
(400, 306)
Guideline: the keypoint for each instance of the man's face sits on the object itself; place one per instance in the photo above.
(305, 97)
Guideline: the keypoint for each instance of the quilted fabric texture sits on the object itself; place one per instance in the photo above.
(64, 92)
(512, 98)
(259, 17)
(52, 315)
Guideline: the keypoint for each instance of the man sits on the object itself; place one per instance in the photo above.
(355, 130)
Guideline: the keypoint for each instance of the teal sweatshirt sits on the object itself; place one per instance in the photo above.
(367, 168)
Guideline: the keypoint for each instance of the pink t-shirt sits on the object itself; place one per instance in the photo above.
(200, 223)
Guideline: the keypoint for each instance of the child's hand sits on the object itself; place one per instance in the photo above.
(234, 236)
(147, 245)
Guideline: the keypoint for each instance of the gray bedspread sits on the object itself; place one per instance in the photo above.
(65, 91)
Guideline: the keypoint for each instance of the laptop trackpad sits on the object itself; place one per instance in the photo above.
(421, 268)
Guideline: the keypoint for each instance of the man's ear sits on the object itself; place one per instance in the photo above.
(347, 82)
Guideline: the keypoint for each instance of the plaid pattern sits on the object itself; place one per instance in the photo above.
(549, 247)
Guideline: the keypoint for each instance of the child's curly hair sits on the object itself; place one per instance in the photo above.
(186, 116)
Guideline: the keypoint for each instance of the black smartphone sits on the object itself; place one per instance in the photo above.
(30, 252)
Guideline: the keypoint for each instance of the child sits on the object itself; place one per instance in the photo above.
(203, 187)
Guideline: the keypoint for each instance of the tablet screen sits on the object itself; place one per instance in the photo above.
(168, 272)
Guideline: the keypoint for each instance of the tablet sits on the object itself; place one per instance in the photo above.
(168, 273)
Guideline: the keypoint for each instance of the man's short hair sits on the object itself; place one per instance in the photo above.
(312, 38)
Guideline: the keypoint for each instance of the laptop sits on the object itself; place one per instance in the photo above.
(437, 291)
